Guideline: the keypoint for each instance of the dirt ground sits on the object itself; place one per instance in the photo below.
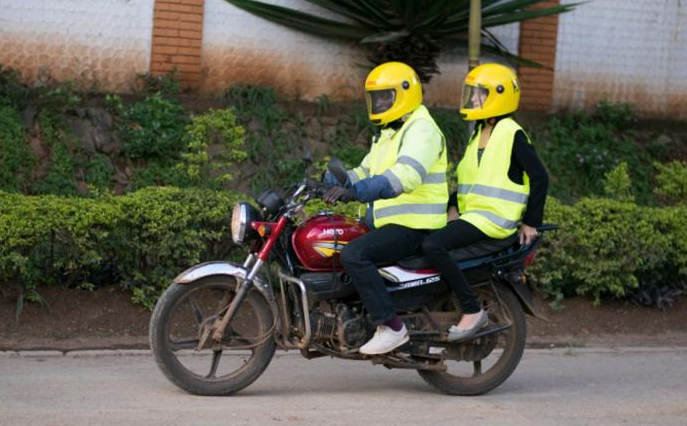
(106, 319)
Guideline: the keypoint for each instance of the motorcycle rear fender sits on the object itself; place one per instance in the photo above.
(524, 295)
(208, 269)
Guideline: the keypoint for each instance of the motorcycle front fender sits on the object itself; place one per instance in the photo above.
(208, 269)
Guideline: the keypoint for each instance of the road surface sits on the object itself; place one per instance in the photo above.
(631, 386)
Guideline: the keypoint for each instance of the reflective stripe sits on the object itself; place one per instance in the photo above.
(435, 178)
(410, 209)
(414, 164)
(493, 192)
(353, 176)
(395, 182)
(496, 220)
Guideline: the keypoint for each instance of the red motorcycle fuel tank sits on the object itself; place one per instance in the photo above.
(319, 240)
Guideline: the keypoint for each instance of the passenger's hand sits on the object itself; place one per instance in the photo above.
(337, 193)
(527, 234)
(453, 214)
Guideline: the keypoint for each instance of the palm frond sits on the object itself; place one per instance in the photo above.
(302, 21)
(348, 9)
(406, 30)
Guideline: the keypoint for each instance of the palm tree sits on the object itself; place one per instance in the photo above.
(411, 31)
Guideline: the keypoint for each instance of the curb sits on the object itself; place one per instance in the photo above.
(90, 353)
(601, 350)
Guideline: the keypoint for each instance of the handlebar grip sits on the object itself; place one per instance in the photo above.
(345, 199)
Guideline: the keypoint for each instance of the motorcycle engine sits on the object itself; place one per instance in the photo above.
(343, 329)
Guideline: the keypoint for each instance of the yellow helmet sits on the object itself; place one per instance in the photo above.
(392, 90)
(489, 90)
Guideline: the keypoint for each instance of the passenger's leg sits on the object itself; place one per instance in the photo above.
(436, 247)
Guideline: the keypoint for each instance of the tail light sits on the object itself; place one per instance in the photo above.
(530, 258)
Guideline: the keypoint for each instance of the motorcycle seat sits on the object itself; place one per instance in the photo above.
(473, 251)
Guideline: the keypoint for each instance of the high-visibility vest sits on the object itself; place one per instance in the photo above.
(425, 206)
(487, 198)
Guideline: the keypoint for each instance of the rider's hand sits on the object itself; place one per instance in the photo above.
(337, 193)
(527, 234)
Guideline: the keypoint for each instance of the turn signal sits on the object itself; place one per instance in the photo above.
(264, 230)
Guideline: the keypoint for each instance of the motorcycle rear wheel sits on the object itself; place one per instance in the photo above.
(175, 330)
(508, 352)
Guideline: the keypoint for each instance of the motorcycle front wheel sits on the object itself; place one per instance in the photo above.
(216, 368)
(479, 365)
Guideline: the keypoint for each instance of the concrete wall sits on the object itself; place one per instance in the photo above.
(102, 43)
(606, 49)
(240, 47)
(629, 51)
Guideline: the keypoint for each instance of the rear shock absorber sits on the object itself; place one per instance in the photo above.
(456, 304)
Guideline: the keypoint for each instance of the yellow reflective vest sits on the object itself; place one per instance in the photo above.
(487, 198)
(414, 160)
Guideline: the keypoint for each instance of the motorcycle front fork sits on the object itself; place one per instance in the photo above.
(242, 288)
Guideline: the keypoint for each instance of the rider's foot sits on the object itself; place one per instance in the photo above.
(385, 340)
(468, 326)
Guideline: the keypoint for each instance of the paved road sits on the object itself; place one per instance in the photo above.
(575, 387)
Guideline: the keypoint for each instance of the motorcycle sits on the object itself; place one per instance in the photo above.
(234, 314)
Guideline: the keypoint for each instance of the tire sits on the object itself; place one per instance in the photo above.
(258, 317)
(513, 347)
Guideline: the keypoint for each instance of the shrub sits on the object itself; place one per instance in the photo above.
(12, 92)
(167, 85)
(159, 173)
(217, 129)
(581, 148)
(99, 173)
(50, 239)
(608, 248)
(152, 128)
(141, 240)
(55, 97)
(60, 177)
(352, 210)
(16, 158)
(672, 182)
(166, 230)
(269, 142)
(618, 184)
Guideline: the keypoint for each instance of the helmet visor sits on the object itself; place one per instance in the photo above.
(379, 101)
(474, 97)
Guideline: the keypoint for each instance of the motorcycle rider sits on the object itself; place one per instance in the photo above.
(403, 178)
(502, 183)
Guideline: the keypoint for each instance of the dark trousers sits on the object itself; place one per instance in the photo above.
(437, 245)
(390, 243)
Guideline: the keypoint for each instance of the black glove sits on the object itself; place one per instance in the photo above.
(337, 193)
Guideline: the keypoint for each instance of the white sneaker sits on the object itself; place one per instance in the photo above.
(385, 340)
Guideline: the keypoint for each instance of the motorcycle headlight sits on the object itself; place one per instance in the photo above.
(241, 218)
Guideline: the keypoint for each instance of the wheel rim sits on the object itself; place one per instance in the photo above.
(213, 362)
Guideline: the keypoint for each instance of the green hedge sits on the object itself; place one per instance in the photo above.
(610, 248)
(140, 240)
(605, 248)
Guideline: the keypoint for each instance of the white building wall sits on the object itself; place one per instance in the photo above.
(624, 51)
(241, 47)
(100, 43)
